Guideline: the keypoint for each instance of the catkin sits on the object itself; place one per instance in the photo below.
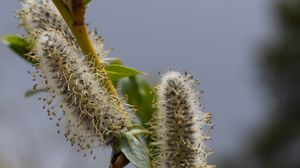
(179, 125)
(77, 97)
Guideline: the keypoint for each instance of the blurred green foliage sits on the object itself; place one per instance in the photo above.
(139, 93)
(277, 142)
(281, 73)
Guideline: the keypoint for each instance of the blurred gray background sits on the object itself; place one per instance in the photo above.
(215, 40)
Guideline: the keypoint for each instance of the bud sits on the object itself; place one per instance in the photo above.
(179, 125)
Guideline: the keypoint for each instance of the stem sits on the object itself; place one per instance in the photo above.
(118, 159)
(76, 23)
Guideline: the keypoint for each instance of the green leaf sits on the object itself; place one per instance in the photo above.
(32, 92)
(110, 61)
(116, 71)
(20, 46)
(134, 150)
(86, 2)
(140, 94)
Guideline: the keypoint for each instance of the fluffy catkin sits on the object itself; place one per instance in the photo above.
(87, 113)
(180, 127)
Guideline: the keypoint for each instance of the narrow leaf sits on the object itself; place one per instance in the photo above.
(32, 92)
(116, 71)
(20, 46)
(108, 61)
(134, 150)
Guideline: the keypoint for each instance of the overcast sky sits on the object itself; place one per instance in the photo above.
(215, 40)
